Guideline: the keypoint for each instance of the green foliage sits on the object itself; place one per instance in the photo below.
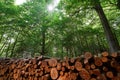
(69, 31)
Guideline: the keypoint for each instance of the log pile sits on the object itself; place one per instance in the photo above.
(86, 67)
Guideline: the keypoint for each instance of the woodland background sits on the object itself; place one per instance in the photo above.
(71, 29)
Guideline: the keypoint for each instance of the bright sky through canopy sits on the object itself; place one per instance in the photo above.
(50, 7)
(19, 2)
(54, 4)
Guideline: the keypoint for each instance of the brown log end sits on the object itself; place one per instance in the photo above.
(72, 76)
(93, 79)
(101, 77)
(96, 72)
(105, 69)
(54, 73)
(92, 66)
(109, 74)
(114, 55)
(98, 61)
(78, 65)
(105, 53)
(62, 78)
(87, 66)
(88, 55)
(104, 59)
(59, 66)
(84, 74)
(52, 62)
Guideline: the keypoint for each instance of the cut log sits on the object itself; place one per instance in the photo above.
(118, 68)
(15, 76)
(85, 61)
(78, 65)
(96, 72)
(87, 66)
(105, 54)
(45, 77)
(104, 59)
(84, 74)
(61, 73)
(54, 73)
(105, 67)
(63, 63)
(72, 67)
(114, 55)
(88, 55)
(115, 78)
(114, 64)
(72, 76)
(52, 62)
(101, 77)
(72, 60)
(92, 66)
(62, 78)
(109, 74)
(63, 68)
(47, 69)
(59, 66)
(93, 79)
(44, 64)
(98, 61)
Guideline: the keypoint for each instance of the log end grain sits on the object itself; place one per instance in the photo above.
(84, 74)
(105, 53)
(52, 62)
(87, 55)
(54, 73)
(78, 65)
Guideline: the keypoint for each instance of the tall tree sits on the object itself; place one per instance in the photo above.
(111, 38)
(96, 5)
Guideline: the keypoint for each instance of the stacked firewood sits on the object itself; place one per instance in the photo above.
(86, 67)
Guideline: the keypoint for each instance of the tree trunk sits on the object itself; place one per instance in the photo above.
(118, 4)
(14, 45)
(112, 40)
(43, 41)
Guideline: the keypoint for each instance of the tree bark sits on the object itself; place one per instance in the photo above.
(14, 45)
(118, 4)
(111, 39)
(43, 41)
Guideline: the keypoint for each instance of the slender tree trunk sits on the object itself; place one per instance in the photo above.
(118, 4)
(43, 41)
(2, 48)
(14, 45)
(7, 50)
(112, 40)
(1, 37)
